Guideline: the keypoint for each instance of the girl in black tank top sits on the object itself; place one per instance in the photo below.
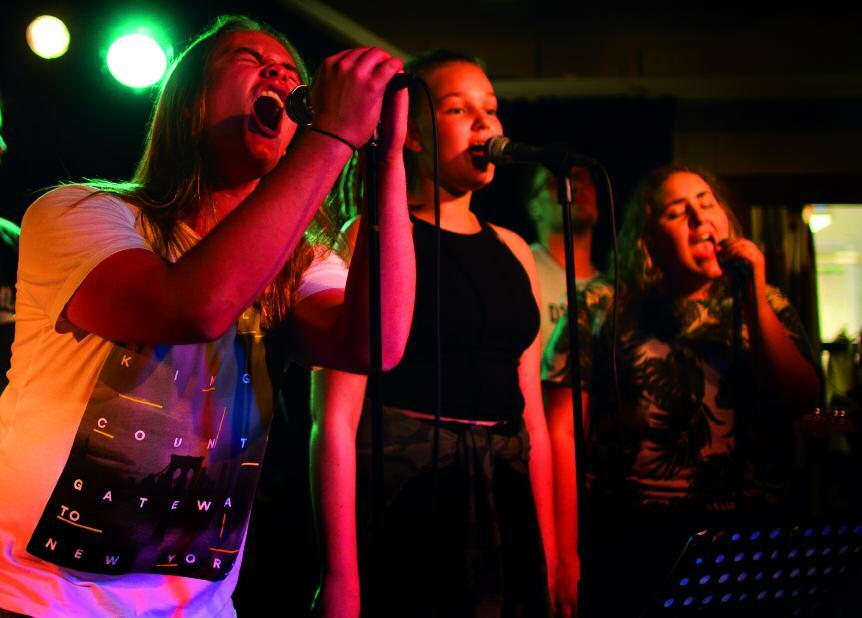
(488, 319)
(479, 548)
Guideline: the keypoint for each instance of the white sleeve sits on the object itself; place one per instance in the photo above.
(325, 273)
(65, 234)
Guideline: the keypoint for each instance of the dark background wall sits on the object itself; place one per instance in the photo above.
(768, 97)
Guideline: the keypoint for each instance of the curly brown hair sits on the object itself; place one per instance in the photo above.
(638, 269)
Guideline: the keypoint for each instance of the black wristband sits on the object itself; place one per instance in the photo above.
(334, 136)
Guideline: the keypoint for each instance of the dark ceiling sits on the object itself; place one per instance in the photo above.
(68, 119)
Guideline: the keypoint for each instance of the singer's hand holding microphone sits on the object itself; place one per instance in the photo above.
(347, 97)
(741, 260)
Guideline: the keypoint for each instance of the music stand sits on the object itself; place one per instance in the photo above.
(763, 572)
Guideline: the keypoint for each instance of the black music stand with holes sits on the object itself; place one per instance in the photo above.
(763, 572)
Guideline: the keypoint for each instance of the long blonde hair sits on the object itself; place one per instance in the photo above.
(169, 184)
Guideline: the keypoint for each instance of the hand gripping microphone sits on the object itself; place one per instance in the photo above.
(737, 269)
(558, 158)
(298, 104)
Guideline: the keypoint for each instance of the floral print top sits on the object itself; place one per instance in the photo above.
(690, 410)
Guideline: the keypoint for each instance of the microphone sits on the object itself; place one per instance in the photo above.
(558, 158)
(298, 104)
(737, 269)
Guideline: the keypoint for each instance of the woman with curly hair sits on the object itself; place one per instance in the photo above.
(671, 453)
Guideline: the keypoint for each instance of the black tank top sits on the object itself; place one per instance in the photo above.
(488, 318)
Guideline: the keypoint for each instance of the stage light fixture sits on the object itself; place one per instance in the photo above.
(48, 37)
(137, 60)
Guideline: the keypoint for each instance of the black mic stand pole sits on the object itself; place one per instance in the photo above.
(741, 285)
(372, 214)
(564, 195)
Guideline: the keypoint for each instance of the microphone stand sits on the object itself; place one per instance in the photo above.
(372, 214)
(746, 407)
(736, 293)
(564, 195)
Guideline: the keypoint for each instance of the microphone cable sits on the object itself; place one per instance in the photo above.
(438, 345)
(614, 302)
(584, 604)
(437, 400)
(616, 291)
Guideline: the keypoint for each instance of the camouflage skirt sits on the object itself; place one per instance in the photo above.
(475, 550)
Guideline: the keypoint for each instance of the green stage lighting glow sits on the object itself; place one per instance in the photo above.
(48, 37)
(137, 60)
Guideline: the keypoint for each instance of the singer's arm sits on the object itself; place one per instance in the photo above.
(790, 377)
(336, 406)
(529, 375)
(557, 374)
(331, 328)
(558, 405)
(199, 296)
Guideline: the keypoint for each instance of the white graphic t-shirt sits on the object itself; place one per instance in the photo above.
(552, 288)
(127, 473)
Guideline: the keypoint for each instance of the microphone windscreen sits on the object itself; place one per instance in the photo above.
(298, 105)
(495, 147)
